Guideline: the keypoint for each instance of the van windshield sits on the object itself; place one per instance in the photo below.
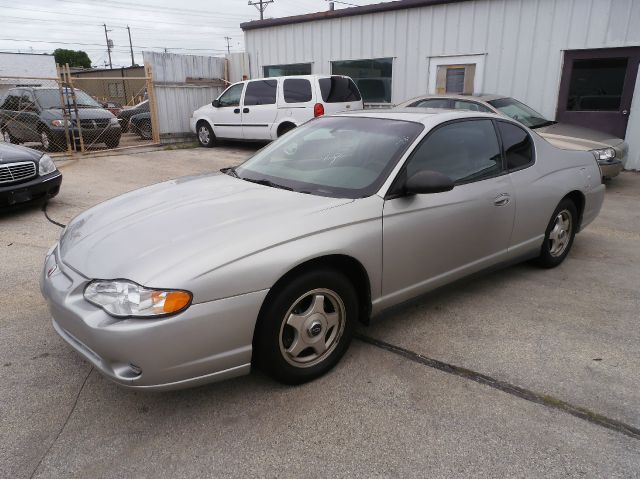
(50, 98)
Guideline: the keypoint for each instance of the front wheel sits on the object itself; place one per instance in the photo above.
(559, 235)
(8, 137)
(206, 137)
(306, 327)
(49, 143)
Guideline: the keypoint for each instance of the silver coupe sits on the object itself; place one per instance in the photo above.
(273, 262)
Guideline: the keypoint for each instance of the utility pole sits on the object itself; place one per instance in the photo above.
(228, 39)
(261, 5)
(109, 43)
(131, 46)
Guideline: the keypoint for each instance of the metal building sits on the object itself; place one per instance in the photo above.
(574, 60)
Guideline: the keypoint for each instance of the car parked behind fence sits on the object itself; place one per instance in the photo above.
(267, 108)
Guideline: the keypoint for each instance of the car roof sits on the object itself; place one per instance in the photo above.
(474, 96)
(426, 116)
(284, 77)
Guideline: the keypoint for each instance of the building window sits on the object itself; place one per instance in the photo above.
(373, 77)
(455, 79)
(287, 70)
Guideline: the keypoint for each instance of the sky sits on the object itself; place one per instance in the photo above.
(196, 27)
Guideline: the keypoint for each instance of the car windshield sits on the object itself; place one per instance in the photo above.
(50, 98)
(520, 112)
(346, 157)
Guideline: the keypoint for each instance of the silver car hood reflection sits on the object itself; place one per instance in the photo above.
(214, 217)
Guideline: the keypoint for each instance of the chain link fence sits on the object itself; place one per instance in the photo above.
(78, 115)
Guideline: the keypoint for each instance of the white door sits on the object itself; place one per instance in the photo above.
(259, 109)
(227, 116)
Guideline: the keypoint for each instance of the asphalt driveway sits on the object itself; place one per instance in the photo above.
(518, 373)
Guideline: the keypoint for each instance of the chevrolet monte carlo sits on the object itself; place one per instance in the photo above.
(273, 262)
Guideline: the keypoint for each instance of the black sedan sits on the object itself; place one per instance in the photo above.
(26, 175)
(125, 115)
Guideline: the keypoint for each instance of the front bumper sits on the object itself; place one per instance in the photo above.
(208, 342)
(610, 168)
(40, 187)
(192, 124)
(89, 135)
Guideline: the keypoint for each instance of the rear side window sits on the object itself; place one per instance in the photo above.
(296, 90)
(517, 144)
(338, 90)
(465, 151)
(432, 103)
(261, 92)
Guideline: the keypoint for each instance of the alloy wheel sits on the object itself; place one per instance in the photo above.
(312, 328)
(203, 135)
(560, 234)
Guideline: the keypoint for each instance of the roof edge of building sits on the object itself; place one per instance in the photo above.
(344, 12)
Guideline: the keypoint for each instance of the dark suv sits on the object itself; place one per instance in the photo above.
(35, 114)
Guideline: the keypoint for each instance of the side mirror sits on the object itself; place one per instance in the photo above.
(427, 181)
(215, 103)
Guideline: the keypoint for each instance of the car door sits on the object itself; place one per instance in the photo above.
(432, 239)
(29, 117)
(226, 118)
(259, 109)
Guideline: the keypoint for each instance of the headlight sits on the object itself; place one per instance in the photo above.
(46, 165)
(122, 298)
(604, 153)
(57, 122)
(114, 121)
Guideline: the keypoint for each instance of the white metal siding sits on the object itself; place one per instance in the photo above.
(523, 41)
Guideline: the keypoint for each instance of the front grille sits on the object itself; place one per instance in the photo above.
(93, 124)
(10, 172)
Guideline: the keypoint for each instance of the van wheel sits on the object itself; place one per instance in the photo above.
(285, 128)
(206, 137)
(8, 137)
(48, 141)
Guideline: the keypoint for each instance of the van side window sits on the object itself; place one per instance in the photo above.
(296, 90)
(261, 92)
(231, 97)
(517, 145)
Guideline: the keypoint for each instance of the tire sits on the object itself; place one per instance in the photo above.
(112, 142)
(559, 235)
(48, 141)
(306, 326)
(205, 134)
(285, 128)
(144, 130)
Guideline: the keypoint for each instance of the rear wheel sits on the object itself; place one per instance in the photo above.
(559, 235)
(206, 137)
(49, 143)
(144, 130)
(112, 142)
(285, 128)
(306, 327)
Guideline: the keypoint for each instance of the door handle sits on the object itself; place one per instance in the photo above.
(502, 199)
(237, 110)
(245, 110)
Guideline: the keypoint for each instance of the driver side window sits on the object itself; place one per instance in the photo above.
(231, 97)
(465, 151)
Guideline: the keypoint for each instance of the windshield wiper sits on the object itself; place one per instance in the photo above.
(264, 182)
(230, 170)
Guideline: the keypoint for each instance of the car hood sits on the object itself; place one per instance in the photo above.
(573, 137)
(204, 221)
(12, 153)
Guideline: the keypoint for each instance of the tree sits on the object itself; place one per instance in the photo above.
(75, 58)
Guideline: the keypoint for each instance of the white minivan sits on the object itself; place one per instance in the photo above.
(267, 108)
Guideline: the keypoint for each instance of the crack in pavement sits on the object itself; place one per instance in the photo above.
(545, 400)
(64, 424)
